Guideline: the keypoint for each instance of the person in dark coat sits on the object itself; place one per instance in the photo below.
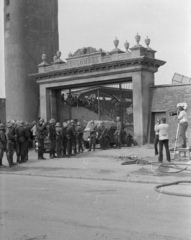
(58, 140)
(2, 143)
(74, 137)
(21, 139)
(79, 138)
(64, 139)
(101, 134)
(11, 138)
(52, 136)
(118, 132)
(93, 129)
(70, 136)
(28, 139)
(40, 133)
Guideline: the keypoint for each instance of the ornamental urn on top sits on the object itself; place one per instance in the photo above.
(116, 42)
(126, 45)
(147, 42)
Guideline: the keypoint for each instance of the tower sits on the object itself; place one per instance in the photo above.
(30, 28)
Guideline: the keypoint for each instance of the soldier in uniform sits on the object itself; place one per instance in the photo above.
(64, 139)
(101, 135)
(40, 132)
(28, 139)
(118, 132)
(52, 137)
(21, 139)
(58, 140)
(79, 137)
(2, 143)
(70, 136)
(92, 135)
(10, 134)
(74, 137)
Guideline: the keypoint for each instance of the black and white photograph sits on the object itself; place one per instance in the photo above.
(95, 120)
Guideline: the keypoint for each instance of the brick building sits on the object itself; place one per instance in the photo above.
(165, 99)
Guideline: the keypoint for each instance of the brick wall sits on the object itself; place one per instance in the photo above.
(165, 98)
(2, 110)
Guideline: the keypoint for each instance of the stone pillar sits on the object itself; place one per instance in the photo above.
(48, 103)
(142, 80)
(53, 104)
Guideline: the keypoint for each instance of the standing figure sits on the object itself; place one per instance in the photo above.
(74, 137)
(183, 119)
(70, 136)
(93, 129)
(101, 135)
(2, 143)
(40, 133)
(52, 137)
(10, 134)
(163, 139)
(33, 129)
(28, 139)
(21, 140)
(64, 139)
(118, 132)
(156, 141)
(79, 137)
(58, 140)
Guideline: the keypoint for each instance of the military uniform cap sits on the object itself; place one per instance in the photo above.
(78, 124)
(41, 120)
(64, 124)
(9, 125)
(72, 121)
(58, 124)
(52, 120)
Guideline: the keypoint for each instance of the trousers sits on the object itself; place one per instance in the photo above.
(165, 143)
(183, 128)
(156, 141)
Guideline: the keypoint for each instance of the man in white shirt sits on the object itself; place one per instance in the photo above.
(183, 120)
(163, 139)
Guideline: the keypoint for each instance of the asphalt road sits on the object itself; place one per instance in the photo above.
(51, 208)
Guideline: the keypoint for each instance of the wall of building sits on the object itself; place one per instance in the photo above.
(31, 28)
(165, 99)
(2, 110)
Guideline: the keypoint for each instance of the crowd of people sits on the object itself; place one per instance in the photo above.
(65, 140)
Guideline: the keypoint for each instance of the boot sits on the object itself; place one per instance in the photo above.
(18, 160)
(51, 154)
(1, 165)
(42, 157)
(22, 158)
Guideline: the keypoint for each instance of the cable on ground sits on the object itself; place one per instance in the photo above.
(157, 189)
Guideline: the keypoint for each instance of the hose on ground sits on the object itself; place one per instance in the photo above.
(157, 188)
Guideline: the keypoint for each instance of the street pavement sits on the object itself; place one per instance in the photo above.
(93, 196)
(102, 165)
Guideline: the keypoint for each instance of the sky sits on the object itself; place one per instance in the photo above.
(96, 23)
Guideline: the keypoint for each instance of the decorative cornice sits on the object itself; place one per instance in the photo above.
(83, 51)
(121, 64)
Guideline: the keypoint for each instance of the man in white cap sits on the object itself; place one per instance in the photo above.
(183, 119)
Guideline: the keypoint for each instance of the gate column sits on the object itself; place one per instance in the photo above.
(142, 80)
